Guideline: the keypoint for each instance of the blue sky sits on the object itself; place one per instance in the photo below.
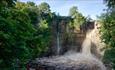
(86, 7)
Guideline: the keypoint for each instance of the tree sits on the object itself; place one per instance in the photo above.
(110, 3)
(31, 3)
(44, 7)
(40, 21)
(77, 17)
(108, 32)
(7, 3)
(73, 11)
(15, 31)
(24, 33)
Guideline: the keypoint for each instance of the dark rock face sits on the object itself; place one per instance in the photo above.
(65, 40)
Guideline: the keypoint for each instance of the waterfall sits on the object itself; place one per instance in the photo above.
(85, 56)
(86, 45)
(58, 44)
(81, 61)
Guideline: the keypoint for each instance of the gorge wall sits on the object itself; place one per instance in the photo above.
(69, 39)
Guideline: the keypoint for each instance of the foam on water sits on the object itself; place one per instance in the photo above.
(78, 59)
(86, 46)
(84, 58)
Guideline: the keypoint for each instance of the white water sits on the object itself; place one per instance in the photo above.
(58, 44)
(86, 46)
(85, 57)
(87, 43)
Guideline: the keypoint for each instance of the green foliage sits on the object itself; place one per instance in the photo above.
(78, 18)
(110, 3)
(44, 7)
(15, 30)
(24, 33)
(7, 3)
(40, 20)
(109, 57)
(108, 32)
(43, 24)
(73, 11)
(108, 36)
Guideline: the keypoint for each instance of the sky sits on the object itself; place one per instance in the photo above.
(86, 7)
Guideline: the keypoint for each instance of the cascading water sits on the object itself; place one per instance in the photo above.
(58, 44)
(84, 60)
(86, 46)
(85, 57)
